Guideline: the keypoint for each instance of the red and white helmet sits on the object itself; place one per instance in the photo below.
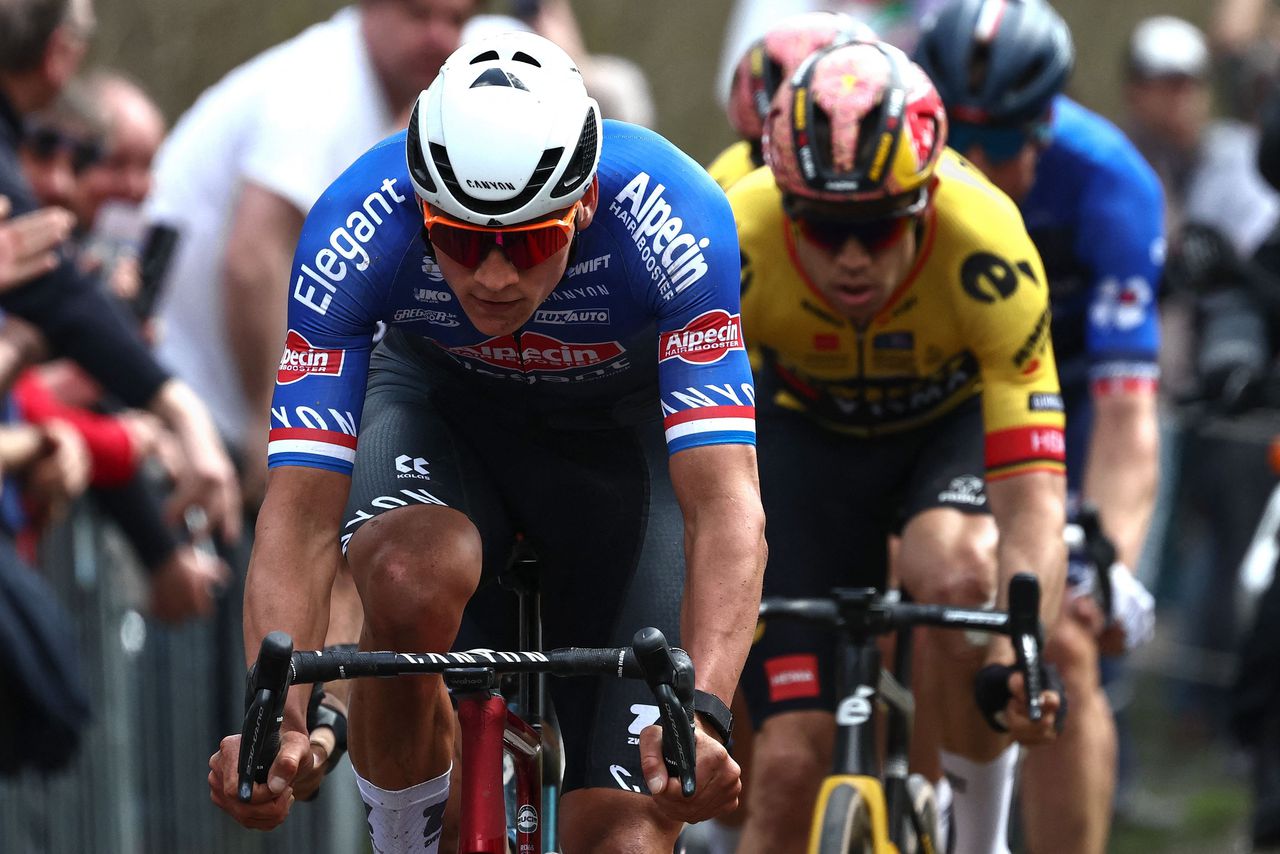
(857, 123)
(773, 57)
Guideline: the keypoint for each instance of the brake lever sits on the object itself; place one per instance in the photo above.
(1024, 629)
(672, 684)
(1101, 552)
(266, 691)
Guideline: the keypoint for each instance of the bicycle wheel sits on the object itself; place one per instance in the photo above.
(923, 809)
(845, 826)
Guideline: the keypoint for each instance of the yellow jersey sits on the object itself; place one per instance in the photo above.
(971, 317)
(732, 164)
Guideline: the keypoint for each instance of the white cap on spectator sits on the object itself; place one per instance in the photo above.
(483, 26)
(1165, 46)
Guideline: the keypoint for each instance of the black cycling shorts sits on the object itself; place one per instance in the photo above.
(831, 502)
(596, 506)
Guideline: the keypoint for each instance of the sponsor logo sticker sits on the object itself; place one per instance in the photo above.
(438, 318)
(987, 277)
(564, 317)
(526, 819)
(622, 777)
(431, 295)
(1122, 306)
(301, 360)
(416, 467)
(894, 341)
(1044, 401)
(965, 489)
(792, 677)
(538, 352)
(645, 715)
(707, 338)
(856, 708)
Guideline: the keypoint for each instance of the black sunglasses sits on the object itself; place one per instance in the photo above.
(46, 142)
(874, 235)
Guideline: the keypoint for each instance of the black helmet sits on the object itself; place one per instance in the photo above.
(996, 61)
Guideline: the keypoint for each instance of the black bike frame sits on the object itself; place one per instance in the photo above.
(859, 616)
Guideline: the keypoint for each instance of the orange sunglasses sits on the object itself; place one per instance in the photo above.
(525, 245)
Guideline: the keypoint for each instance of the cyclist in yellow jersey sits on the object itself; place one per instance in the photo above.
(771, 59)
(897, 313)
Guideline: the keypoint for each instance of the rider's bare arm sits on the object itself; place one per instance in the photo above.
(295, 560)
(1123, 467)
(719, 493)
(1030, 511)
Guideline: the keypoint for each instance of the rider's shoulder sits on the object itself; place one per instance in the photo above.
(635, 161)
(970, 211)
(732, 165)
(757, 204)
(1089, 150)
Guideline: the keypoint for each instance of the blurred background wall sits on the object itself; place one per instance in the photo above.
(178, 47)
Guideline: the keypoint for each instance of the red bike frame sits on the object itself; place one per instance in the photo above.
(488, 729)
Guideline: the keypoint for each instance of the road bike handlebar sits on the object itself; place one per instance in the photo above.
(668, 672)
(865, 612)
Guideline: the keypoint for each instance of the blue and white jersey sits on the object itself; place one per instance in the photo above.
(1096, 213)
(644, 324)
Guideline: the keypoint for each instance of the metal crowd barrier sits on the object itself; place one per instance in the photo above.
(138, 784)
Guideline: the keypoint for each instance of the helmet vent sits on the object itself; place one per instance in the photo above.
(979, 67)
(521, 56)
(487, 56)
(870, 130)
(498, 77)
(413, 148)
(1031, 74)
(579, 166)
(541, 174)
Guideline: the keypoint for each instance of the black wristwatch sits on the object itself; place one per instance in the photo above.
(714, 713)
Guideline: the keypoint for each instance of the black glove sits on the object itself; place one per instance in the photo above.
(1201, 260)
(991, 690)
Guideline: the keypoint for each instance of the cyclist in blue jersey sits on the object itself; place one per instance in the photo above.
(1095, 211)
(558, 295)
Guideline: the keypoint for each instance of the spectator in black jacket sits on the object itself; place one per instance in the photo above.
(42, 43)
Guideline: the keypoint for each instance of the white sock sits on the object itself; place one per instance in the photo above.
(946, 804)
(981, 793)
(400, 821)
(720, 838)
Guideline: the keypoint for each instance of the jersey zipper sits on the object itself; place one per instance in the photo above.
(860, 334)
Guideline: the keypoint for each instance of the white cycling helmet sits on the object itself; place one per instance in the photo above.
(505, 134)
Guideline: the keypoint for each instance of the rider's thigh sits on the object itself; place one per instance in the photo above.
(607, 820)
(415, 568)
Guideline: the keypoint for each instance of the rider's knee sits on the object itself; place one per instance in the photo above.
(791, 755)
(1073, 649)
(964, 577)
(414, 581)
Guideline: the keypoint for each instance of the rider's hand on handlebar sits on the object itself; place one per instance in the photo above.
(719, 778)
(1020, 726)
(307, 783)
(270, 803)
